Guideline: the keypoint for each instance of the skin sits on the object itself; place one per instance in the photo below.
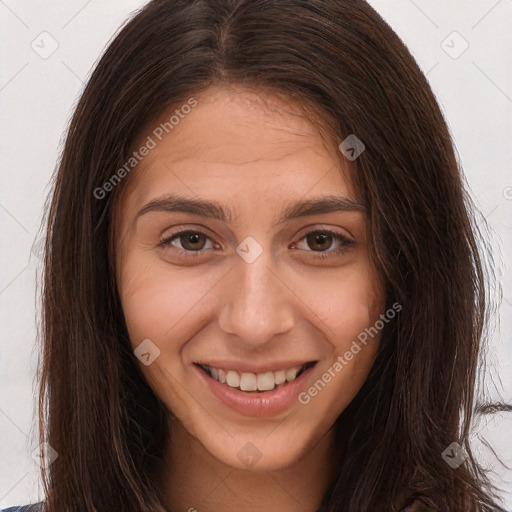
(254, 154)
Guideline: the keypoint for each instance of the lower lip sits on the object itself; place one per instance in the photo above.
(260, 405)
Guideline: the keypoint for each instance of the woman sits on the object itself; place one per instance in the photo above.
(263, 289)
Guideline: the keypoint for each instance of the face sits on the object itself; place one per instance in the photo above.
(244, 290)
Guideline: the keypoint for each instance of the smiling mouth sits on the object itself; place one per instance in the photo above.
(255, 382)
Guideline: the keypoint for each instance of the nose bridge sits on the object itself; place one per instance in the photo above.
(257, 305)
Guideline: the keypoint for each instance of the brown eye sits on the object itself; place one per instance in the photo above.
(188, 241)
(193, 241)
(322, 241)
(319, 241)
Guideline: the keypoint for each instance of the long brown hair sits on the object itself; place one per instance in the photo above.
(340, 59)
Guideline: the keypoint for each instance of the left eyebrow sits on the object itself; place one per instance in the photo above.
(316, 206)
(212, 209)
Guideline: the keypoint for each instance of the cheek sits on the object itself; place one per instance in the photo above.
(156, 300)
(355, 304)
(349, 305)
(347, 302)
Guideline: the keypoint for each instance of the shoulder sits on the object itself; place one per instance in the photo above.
(35, 507)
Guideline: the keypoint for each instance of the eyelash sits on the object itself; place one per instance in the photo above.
(343, 241)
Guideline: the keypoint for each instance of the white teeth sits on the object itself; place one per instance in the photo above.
(291, 373)
(233, 379)
(279, 377)
(266, 381)
(248, 381)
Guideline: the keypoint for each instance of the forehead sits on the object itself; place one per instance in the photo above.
(237, 142)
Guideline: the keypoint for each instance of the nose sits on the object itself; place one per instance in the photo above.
(257, 303)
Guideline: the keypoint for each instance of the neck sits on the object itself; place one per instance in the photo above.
(191, 479)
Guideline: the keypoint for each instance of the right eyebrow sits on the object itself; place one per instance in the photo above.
(173, 203)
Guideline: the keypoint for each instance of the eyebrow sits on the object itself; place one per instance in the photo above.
(214, 210)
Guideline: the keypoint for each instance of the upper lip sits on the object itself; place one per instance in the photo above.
(241, 366)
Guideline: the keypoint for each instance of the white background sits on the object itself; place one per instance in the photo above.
(37, 97)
